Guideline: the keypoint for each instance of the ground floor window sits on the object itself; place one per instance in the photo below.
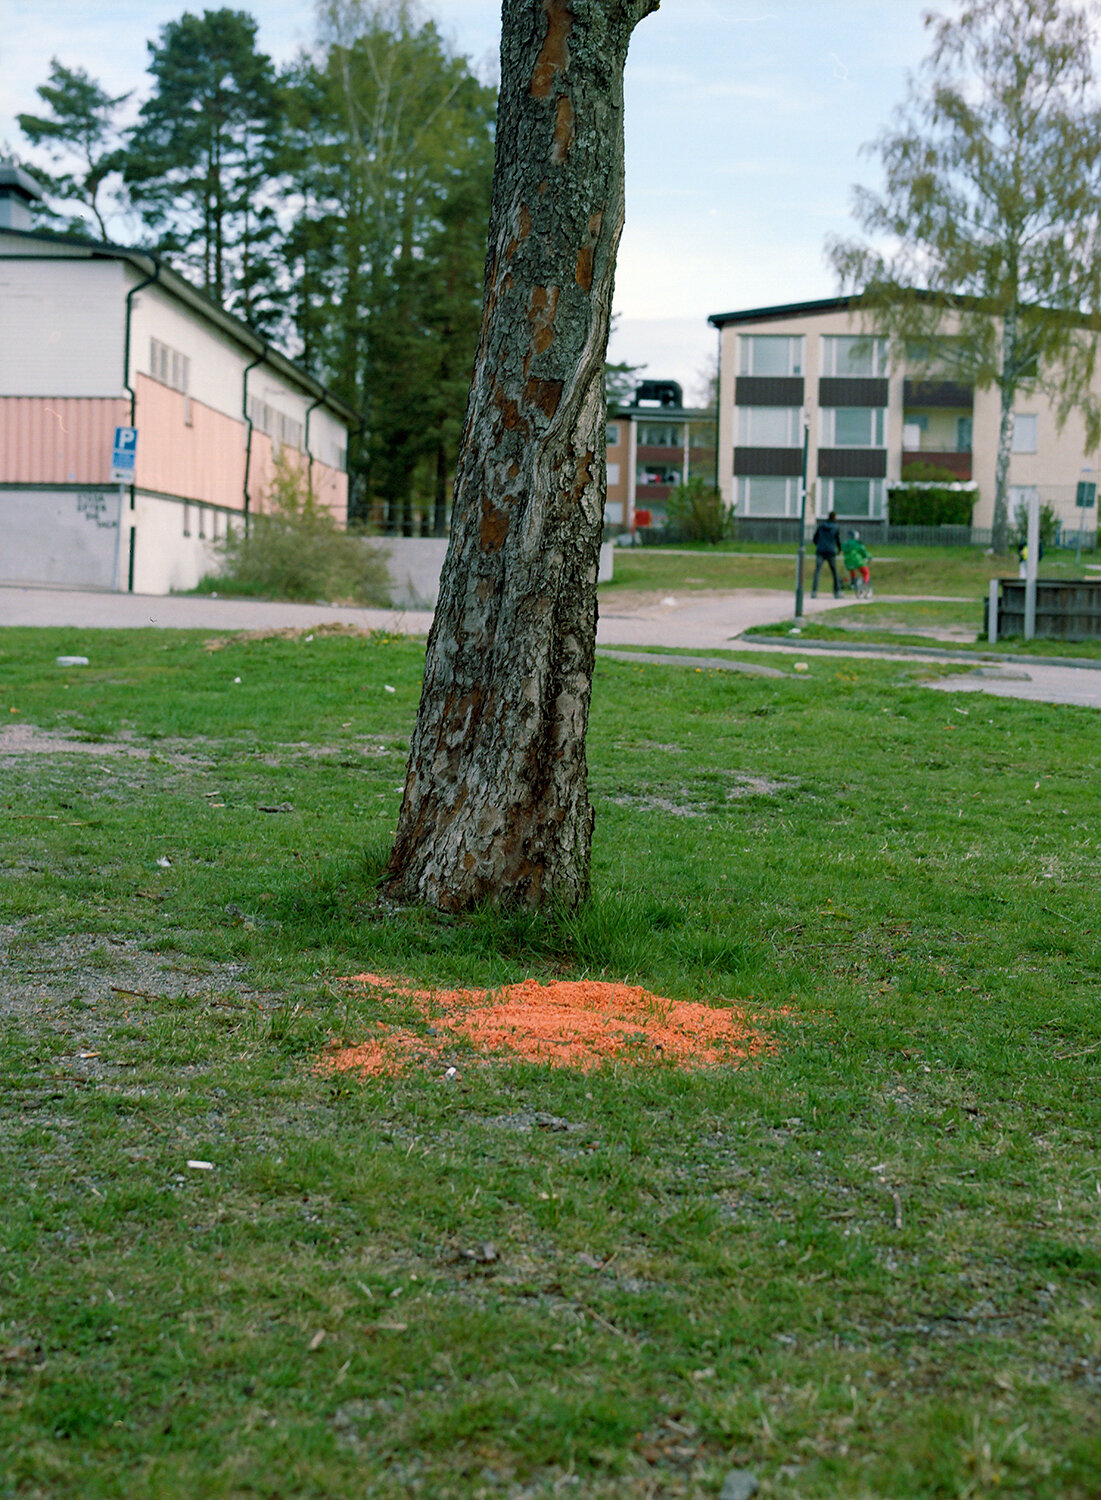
(854, 497)
(765, 495)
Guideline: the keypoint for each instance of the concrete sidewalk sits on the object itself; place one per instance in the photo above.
(699, 622)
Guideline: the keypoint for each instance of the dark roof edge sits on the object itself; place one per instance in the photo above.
(783, 310)
(856, 300)
(147, 261)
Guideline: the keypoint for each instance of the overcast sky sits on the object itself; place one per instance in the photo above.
(745, 120)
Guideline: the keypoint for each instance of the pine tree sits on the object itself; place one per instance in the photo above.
(80, 135)
(198, 163)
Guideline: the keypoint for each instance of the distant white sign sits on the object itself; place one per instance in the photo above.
(123, 454)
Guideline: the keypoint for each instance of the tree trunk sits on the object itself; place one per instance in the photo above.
(1008, 390)
(496, 803)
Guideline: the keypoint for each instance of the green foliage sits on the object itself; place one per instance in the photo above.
(295, 550)
(80, 135)
(389, 153)
(1049, 525)
(993, 199)
(696, 512)
(926, 503)
(199, 158)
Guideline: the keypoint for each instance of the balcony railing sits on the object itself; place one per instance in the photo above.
(959, 462)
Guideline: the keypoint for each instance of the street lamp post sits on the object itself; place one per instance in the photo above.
(802, 523)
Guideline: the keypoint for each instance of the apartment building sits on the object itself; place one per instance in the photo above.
(96, 337)
(654, 443)
(867, 418)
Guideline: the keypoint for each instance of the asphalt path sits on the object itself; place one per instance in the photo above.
(698, 622)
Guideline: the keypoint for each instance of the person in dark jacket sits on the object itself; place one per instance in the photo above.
(827, 544)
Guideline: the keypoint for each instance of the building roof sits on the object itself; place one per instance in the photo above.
(153, 266)
(663, 413)
(783, 310)
(14, 179)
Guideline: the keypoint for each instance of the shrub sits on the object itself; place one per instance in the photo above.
(695, 510)
(922, 503)
(295, 550)
(1049, 526)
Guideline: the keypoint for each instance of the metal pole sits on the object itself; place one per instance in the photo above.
(116, 583)
(801, 555)
(1032, 562)
(992, 614)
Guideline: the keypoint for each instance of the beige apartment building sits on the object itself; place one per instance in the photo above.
(654, 444)
(868, 418)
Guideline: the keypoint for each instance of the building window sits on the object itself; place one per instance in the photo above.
(964, 429)
(613, 473)
(613, 434)
(278, 426)
(761, 496)
(169, 366)
(853, 426)
(854, 498)
(769, 426)
(771, 354)
(659, 474)
(849, 354)
(661, 435)
(1024, 433)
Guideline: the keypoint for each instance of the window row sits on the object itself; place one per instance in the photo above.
(782, 427)
(863, 499)
(169, 366)
(278, 426)
(842, 355)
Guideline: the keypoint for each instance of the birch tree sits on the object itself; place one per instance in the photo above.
(991, 212)
(496, 804)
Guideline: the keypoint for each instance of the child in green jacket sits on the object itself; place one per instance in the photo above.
(857, 557)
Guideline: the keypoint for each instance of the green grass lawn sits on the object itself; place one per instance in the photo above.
(867, 1266)
(957, 571)
(944, 624)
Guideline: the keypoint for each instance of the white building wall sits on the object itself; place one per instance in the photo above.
(67, 537)
(166, 558)
(63, 326)
(217, 362)
(328, 439)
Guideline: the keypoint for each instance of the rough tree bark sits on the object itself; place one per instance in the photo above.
(496, 804)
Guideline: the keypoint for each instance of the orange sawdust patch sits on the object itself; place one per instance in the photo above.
(580, 1023)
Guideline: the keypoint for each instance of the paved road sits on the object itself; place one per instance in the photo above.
(700, 622)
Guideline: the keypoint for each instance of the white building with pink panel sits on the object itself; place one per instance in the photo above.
(94, 337)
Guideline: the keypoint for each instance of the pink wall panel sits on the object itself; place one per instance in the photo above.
(62, 440)
(201, 461)
(330, 487)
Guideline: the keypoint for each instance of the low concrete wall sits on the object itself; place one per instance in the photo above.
(415, 564)
(64, 536)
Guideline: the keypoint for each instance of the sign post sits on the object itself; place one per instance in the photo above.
(1032, 563)
(124, 453)
(802, 551)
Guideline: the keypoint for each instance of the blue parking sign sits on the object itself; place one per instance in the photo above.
(123, 454)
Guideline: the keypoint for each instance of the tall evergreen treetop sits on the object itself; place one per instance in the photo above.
(197, 161)
(80, 135)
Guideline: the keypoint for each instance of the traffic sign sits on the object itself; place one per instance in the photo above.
(123, 454)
